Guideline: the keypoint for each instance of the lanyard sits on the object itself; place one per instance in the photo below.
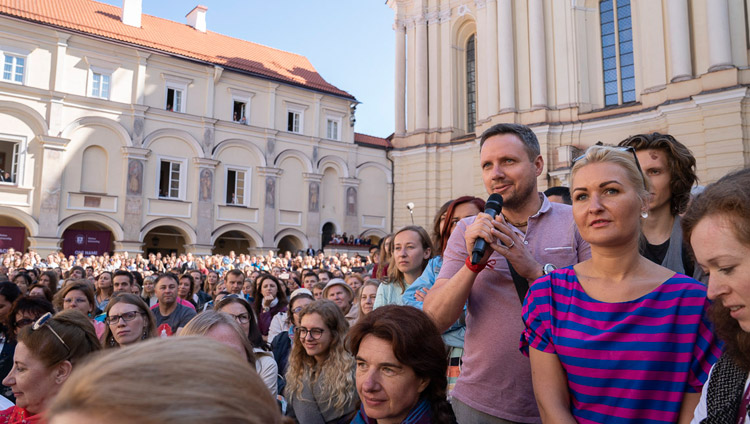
(744, 406)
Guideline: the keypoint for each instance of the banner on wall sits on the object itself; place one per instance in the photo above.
(12, 237)
(88, 242)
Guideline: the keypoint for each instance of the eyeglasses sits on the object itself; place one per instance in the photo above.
(297, 310)
(314, 333)
(24, 322)
(127, 317)
(624, 149)
(241, 318)
(43, 321)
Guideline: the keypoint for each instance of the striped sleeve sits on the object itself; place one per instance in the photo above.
(706, 351)
(537, 318)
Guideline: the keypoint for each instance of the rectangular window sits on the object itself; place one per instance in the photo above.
(292, 122)
(332, 131)
(169, 179)
(100, 85)
(239, 112)
(617, 51)
(174, 99)
(235, 187)
(471, 85)
(9, 162)
(13, 68)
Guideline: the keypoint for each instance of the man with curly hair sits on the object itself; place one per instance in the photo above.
(670, 167)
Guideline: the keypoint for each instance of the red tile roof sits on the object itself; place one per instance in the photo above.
(103, 20)
(371, 140)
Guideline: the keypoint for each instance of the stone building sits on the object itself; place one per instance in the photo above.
(121, 131)
(576, 71)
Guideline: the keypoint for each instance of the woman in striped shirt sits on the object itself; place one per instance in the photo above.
(617, 338)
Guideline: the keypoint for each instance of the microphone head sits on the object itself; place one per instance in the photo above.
(495, 202)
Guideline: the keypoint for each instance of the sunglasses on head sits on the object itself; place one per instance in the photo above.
(623, 149)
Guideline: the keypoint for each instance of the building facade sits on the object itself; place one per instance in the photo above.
(125, 132)
(576, 71)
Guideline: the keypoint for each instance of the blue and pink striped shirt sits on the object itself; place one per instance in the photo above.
(625, 362)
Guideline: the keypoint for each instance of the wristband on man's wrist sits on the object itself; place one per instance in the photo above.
(476, 269)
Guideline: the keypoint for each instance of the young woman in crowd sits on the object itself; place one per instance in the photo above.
(49, 279)
(238, 308)
(366, 295)
(8, 294)
(269, 301)
(78, 295)
(23, 281)
(320, 379)
(186, 288)
(104, 289)
(224, 328)
(46, 353)
(412, 249)
(128, 320)
(148, 294)
(212, 279)
(651, 322)
(394, 384)
(282, 343)
(40, 290)
(355, 281)
(124, 387)
(380, 270)
(717, 224)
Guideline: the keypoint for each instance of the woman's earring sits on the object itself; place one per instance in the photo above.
(112, 341)
(145, 334)
(644, 214)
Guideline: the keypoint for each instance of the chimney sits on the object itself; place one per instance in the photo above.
(131, 12)
(197, 18)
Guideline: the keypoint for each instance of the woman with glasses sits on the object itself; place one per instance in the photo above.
(238, 308)
(78, 295)
(46, 353)
(128, 320)
(616, 338)
(281, 345)
(25, 310)
(320, 380)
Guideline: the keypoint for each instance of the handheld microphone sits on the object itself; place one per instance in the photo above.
(493, 207)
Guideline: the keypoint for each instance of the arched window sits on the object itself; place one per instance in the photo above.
(617, 51)
(471, 85)
(94, 170)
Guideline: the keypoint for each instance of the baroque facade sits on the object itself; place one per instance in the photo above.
(576, 71)
(125, 132)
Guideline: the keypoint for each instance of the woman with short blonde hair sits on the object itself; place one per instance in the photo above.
(111, 387)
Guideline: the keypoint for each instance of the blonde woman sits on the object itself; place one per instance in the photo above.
(111, 388)
(320, 380)
(412, 250)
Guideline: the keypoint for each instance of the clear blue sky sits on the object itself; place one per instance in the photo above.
(349, 42)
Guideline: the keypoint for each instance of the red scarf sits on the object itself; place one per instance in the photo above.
(16, 415)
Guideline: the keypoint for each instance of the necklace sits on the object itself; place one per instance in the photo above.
(516, 224)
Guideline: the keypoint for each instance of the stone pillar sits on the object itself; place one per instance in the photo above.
(491, 62)
(480, 55)
(432, 66)
(135, 163)
(420, 61)
(205, 169)
(313, 229)
(351, 205)
(679, 40)
(538, 54)
(719, 39)
(400, 110)
(49, 191)
(506, 56)
(446, 71)
(270, 178)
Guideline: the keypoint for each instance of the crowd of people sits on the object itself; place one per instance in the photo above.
(623, 300)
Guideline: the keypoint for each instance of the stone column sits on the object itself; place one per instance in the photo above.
(270, 178)
(400, 98)
(432, 66)
(49, 191)
(207, 192)
(491, 62)
(679, 40)
(719, 39)
(446, 71)
(506, 56)
(313, 229)
(538, 54)
(420, 61)
(480, 55)
(351, 205)
(135, 163)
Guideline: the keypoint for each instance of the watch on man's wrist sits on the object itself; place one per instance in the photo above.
(547, 268)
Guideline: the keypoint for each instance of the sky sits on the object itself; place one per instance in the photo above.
(349, 42)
